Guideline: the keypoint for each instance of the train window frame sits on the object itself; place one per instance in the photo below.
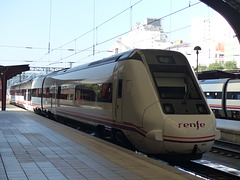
(84, 93)
(184, 84)
(165, 59)
(136, 56)
(233, 95)
(106, 94)
(186, 105)
(213, 95)
(29, 94)
(66, 92)
(101, 92)
(34, 92)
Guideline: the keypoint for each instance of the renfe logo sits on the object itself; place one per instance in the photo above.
(197, 125)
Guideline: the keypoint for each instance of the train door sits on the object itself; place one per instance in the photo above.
(119, 101)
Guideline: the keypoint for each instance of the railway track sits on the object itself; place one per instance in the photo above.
(226, 148)
(201, 169)
(216, 170)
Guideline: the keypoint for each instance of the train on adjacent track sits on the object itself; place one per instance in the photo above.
(223, 96)
(151, 97)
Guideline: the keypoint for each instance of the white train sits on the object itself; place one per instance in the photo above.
(150, 96)
(223, 96)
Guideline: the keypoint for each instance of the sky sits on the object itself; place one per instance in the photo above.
(54, 33)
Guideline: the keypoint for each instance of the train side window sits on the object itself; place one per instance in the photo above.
(106, 95)
(233, 95)
(34, 93)
(120, 88)
(217, 95)
(208, 95)
(52, 92)
(58, 92)
(78, 95)
(94, 92)
(23, 93)
(29, 95)
(46, 92)
(66, 92)
(39, 92)
(238, 95)
(86, 92)
(213, 95)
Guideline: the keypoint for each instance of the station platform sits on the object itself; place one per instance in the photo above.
(34, 147)
(230, 130)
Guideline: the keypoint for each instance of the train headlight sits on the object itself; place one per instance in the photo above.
(168, 109)
(202, 108)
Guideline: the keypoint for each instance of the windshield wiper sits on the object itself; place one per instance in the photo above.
(186, 96)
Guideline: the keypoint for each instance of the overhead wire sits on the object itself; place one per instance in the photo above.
(170, 14)
(91, 30)
(84, 34)
(22, 47)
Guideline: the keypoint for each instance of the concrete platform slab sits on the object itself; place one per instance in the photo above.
(34, 147)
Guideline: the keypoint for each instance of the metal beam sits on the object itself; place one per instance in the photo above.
(47, 69)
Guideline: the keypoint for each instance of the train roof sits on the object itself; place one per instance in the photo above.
(213, 81)
(113, 58)
(117, 57)
(234, 81)
(23, 82)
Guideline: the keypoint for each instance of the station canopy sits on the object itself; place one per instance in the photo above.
(230, 10)
(7, 72)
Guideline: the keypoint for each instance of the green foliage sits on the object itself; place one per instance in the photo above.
(202, 68)
(215, 66)
(230, 65)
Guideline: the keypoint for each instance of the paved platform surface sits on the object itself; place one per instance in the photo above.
(230, 130)
(231, 125)
(34, 147)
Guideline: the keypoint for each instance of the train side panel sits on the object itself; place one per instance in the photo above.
(84, 95)
(36, 97)
(13, 90)
(137, 94)
(21, 94)
(233, 99)
(26, 93)
(214, 91)
(223, 96)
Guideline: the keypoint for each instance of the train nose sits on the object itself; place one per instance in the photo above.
(190, 136)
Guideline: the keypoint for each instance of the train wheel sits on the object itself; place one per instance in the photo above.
(100, 131)
(61, 120)
(50, 115)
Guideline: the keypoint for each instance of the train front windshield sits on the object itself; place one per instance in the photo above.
(177, 89)
(175, 86)
(178, 93)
